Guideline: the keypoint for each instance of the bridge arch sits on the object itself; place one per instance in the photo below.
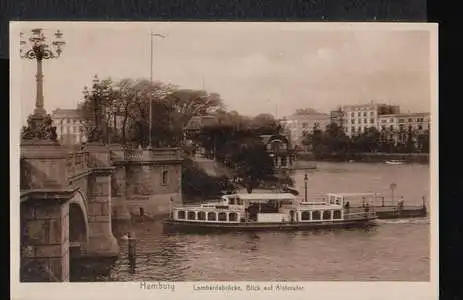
(78, 221)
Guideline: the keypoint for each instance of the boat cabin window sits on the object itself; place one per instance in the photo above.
(222, 216)
(211, 216)
(316, 215)
(337, 214)
(233, 217)
(191, 215)
(327, 215)
(181, 215)
(201, 215)
(305, 215)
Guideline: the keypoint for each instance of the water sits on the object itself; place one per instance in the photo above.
(397, 250)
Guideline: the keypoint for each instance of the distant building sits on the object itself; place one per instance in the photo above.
(300, 124)
(279, 148)
(358, 118)
(398, 125)
(69, 126)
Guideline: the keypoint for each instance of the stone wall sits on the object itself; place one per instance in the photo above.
(44, 241)
(152, 189)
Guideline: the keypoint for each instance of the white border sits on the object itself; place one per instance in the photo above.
(312, 290)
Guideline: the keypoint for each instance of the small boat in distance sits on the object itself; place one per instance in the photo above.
(268, 211)
(394, 162)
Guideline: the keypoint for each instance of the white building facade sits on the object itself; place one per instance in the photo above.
(69, 126)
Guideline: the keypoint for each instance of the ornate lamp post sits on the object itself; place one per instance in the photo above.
(306, 178)
(37, 49)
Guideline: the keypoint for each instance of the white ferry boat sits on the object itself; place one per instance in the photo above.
(394, 162)
(272, 211)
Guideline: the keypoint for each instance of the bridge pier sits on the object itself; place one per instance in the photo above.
(102, 242)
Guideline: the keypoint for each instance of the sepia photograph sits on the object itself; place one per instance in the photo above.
(215, 153)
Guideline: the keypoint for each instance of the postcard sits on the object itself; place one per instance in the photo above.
(202, 160)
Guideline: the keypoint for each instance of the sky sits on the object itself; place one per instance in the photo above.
(256, 67)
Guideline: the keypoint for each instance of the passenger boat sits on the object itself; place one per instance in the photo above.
(268, 211)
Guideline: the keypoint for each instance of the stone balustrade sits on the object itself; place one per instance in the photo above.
(77, 163)
(157, 154)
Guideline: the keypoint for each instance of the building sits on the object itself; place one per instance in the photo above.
(398, 125)
(358, 118)
(69, 126)
(300, 124)
(278, 146)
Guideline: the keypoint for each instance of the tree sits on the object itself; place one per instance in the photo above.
(254, 165)
(265, 124)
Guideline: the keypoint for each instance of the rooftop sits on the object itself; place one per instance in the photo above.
(198, 122)
(65, 113)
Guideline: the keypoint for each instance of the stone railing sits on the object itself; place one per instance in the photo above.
(157, 154)
(77, 163)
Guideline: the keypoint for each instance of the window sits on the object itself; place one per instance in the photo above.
(201, 215)
(401, 120)
(353, 121)
(222, 216)
(364, 121)
(316, 215)
(410, 120)
(383, 121)
(372, 113)
(181, 215)
(391, 127)
(165, 177)
(359, 114)
(233, 217)
(336, 214)
(327, 215)
(365, 114)
(191, 215)
(352, 114)
(372, 121)
(420, 127)
(305, 125)
(211, 216)
(305, 215)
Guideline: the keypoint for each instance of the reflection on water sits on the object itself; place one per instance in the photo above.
(394, 250)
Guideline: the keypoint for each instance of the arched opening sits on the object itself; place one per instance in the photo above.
(191, 215)
(305, 216)
(222, 216)
(78, 236)
(326, 215)
(165, 177)
(211, 216)
(201, 215)
(233, 217)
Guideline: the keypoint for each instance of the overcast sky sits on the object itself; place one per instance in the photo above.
(255, 67)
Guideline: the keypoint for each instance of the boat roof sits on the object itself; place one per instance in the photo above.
(353, 194)
(263, 196)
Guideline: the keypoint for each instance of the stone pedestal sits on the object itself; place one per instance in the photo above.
(45, 236)
(43, 164)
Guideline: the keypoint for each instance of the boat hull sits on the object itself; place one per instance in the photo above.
(185, 226)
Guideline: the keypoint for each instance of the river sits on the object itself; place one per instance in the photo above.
(396, 250)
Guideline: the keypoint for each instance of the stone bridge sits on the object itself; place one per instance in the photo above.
(70, 198)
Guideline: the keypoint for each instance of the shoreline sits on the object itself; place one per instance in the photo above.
(421, 158)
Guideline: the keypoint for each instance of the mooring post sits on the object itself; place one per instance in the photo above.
(132, 252)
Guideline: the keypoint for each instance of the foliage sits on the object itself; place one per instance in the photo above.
(197, 183)
(123, 111)
(334, 143)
